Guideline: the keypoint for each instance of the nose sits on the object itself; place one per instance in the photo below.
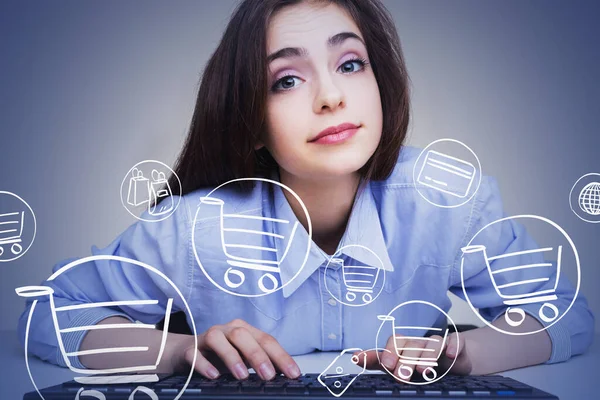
(329, 96)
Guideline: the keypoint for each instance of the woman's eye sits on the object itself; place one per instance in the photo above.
(285, 83)
(352, 66)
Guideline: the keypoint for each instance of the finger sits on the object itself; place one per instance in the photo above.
(243, 340)
(372, 360)
(201, 364)
(389, 358)
(283, 361)
(216, 341)
(430, 355)
(412, 350)
(454, 346)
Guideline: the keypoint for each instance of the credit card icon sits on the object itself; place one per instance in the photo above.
(447, 174)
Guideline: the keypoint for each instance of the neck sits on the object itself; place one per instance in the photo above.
(329, 204)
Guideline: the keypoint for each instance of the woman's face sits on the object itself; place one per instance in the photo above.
(323, 81)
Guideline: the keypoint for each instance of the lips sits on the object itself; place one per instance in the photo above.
(332, 130)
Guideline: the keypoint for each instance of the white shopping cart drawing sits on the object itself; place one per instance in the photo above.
(138, 374)
(11, 229)
(243, 256)
(358, 279)
(408, 364)
(520, 293)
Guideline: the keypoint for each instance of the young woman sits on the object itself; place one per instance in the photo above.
(284, 71)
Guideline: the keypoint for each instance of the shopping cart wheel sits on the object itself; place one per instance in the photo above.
(367, 298)
(405, 371)
(429, 374)
(553, 309)
(261, 283)
(509, 317)
(16, 248)
(239, 274)
(350, 296)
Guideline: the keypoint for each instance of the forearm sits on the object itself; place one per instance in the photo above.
(130, 338)
(491, 351)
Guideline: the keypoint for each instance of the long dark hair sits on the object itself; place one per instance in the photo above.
(230, 110)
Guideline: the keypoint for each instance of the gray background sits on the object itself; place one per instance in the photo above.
(88, 89)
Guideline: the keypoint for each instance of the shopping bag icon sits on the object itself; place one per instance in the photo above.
(139, 188)
(162, 196)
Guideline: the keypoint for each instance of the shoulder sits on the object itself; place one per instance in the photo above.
(404, 178)
(402, 195)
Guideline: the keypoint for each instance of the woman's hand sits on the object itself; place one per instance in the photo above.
(233, 347)
(421, 348)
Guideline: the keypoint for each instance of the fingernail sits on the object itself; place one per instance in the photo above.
(293, 371)
(266, 371)
(240, 371)
(212, 372)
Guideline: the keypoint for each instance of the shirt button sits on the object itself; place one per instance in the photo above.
(332, 336)
(332, 302)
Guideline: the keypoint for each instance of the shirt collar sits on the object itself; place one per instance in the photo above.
(364, 228)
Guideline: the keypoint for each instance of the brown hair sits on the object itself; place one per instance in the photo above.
(230, 109)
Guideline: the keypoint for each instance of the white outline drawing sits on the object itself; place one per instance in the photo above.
(36, 291)
(357, 278)
(450, 165)
(430, 362)
(407, 362)
(586, 216)
(253, 264)
(269, 267)
(435, 162)
(13, 235)
(339, 372)
(542, 296)
(145, 390)
(89, 392)
(137, 176)
(152, 190)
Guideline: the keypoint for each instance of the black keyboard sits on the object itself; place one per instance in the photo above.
(365, 386)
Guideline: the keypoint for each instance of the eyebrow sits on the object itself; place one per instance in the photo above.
(333, 41)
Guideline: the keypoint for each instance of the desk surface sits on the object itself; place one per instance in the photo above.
(575, 379)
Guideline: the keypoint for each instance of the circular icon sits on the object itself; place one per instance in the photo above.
(525, 277)
(447, 173)
(17, 226)
(248, 249)
(584, 198)
(99, 376)
(146, 192)
(363, 275)
(394, 326)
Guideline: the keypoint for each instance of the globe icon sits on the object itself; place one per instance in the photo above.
(589, 198)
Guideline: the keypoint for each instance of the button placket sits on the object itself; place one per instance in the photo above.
(332, 335)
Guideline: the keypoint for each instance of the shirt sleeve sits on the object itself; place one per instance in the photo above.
(96, 289)
(503, 267)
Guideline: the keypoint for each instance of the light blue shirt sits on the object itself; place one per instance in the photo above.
(419, 246)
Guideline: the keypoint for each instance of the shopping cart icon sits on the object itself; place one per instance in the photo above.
(11, 229)
(407, 364)
(243, 256)
(111, 375)
(358, 279)
(515, 293)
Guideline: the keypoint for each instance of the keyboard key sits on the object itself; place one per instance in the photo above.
(506, 393)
